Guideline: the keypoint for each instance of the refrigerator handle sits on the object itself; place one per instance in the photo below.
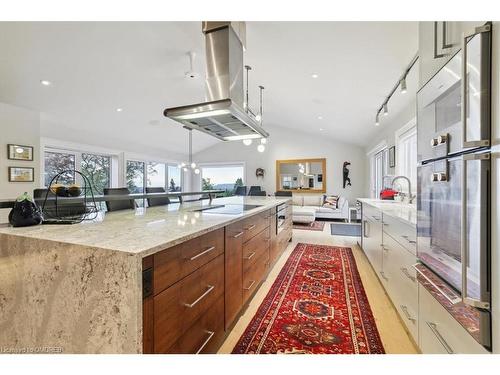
(479, 303)
(486, 28)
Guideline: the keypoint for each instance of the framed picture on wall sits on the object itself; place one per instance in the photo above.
(392, 157)
(18, 152)
(21, 174)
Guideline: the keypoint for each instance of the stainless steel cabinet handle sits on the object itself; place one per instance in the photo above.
(465, 88)
(407, 314)
(250, 256)
(202, 253)
(382, 273)
(238, 234)
(250, 286)
(210, 335)
(250, 227)
(444, 43)
(207, 292)
(407, 274)
(365, 232)
(436, 54)
(433, 327)
(484, 296)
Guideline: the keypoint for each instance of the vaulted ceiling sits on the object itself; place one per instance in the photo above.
(140, 67)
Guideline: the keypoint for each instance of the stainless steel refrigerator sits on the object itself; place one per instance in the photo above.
(453, 203)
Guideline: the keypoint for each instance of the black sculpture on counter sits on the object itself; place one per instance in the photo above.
(25, 212)
(347, 180)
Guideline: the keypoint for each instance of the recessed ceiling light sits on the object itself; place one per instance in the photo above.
(320, 129)
(320, 117)
(314, 75)
(44, 82)
(119, 109)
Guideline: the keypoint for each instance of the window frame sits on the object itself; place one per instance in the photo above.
(402, 134)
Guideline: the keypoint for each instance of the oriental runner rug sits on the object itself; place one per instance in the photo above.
(316, 305)
(315, 225)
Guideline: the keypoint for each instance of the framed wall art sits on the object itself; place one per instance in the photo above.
(392, 157)
(21, 174)
(19, 152)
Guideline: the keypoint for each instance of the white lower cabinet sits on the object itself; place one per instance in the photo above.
(401, 282)
(372, 244)
(439, 333)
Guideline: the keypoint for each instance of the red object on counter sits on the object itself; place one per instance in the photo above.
(388, 194)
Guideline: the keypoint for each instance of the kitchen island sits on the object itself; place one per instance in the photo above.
(82, 288)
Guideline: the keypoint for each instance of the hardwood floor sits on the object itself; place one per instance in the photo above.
(392, 332)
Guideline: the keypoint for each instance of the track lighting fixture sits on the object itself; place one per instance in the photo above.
(402, 83)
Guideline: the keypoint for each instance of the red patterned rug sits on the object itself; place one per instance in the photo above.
(316, 305)
(315, 225)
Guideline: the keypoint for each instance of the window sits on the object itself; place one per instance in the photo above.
(141, 174)
(135, 176)
(174, 178)
(222, 177)
(57, 162)
(406, 155)
(156, 175)
(97, 168)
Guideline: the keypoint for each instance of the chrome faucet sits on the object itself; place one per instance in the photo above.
(410, 196)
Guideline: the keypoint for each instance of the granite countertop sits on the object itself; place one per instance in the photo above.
(145, 231)
(407, 213)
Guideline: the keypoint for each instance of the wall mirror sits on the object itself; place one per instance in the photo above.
(301, 175)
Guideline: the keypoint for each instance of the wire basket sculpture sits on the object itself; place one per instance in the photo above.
(69, 206)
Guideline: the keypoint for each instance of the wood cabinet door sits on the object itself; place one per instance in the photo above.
(234, 272)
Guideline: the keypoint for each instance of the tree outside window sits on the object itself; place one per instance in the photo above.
(57, 162)
(97, 168)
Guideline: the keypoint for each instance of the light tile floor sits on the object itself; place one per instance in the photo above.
(394, 336)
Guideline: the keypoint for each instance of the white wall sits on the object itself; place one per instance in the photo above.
(388, 128)
(17, 126)
(58, 131)
(289, 144)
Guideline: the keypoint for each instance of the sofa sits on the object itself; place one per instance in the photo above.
(308, 208)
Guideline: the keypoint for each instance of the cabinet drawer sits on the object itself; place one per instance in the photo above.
(254, 275)
(255, 224)
(371, 213)
(234, 272)
(403, 233)
(439, 332)
(255, 249)
(205, 335)
(174, 263)
(178, 307)
(401, 282)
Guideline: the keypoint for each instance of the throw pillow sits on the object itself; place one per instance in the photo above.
(331, 201)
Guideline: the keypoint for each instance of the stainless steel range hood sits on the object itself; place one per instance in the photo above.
(223, 115)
